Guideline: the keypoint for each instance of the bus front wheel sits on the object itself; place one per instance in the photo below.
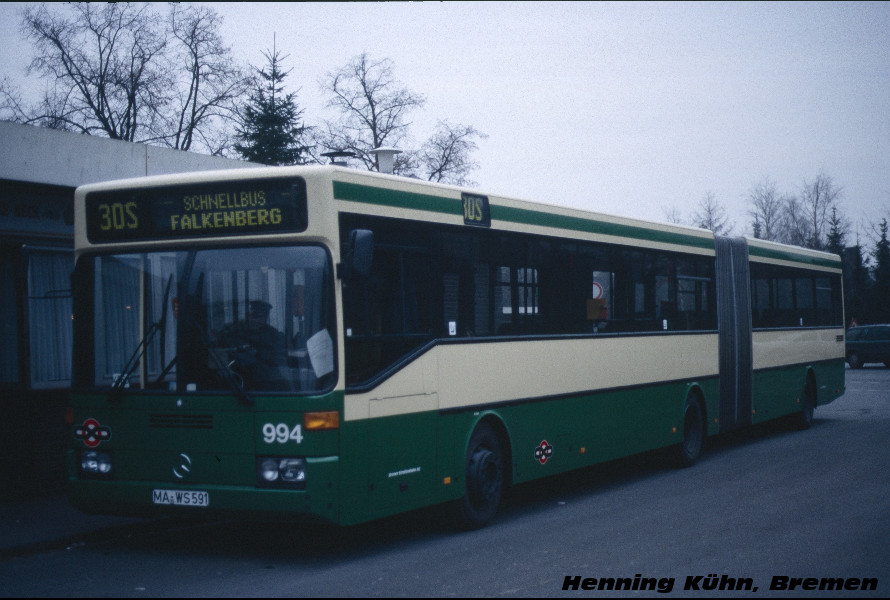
(484, 472)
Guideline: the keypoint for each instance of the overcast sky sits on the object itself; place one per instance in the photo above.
(626, 108)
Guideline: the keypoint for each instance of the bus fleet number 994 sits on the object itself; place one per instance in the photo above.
(282, 433)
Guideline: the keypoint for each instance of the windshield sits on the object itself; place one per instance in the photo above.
(240, 319)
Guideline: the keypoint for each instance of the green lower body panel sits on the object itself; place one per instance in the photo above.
(780, 391)
(399, 463)
(374, 467)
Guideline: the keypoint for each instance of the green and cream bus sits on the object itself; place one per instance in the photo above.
(345, 345)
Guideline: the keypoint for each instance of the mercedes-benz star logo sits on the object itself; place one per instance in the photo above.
(184, 467)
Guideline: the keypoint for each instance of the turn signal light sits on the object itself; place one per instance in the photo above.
(314, 421)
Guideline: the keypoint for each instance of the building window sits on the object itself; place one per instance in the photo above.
(49, 318)
(9, 319)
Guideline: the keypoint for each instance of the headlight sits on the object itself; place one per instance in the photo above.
(268, 470)
(95, 463)
(277, 471)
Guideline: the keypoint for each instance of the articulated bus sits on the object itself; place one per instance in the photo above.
(341, 345)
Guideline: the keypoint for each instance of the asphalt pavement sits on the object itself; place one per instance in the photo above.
(51, 522)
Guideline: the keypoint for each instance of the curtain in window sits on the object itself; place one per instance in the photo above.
(49, 318)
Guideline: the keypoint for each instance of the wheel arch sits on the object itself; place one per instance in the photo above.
(810, 384)
(695, 390)
(692, 434)
(497, 423)
(482, 482)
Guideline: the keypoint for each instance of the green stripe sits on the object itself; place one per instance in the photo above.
(452, 206)
(775, 254)
(395, 198)
(532, 217)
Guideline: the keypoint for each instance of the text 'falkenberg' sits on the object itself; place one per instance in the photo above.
(224, 210)
(714, 582)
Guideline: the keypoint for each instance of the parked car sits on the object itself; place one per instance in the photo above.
(868, 344)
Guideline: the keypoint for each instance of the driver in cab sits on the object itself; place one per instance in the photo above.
(259, 348)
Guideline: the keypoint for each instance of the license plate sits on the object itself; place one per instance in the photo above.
(180, 497)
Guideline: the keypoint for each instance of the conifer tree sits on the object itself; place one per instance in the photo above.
(271, 131)
(879, 309)
(835, 240)
(856, 285)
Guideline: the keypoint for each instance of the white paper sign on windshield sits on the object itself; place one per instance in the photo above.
(321, 353)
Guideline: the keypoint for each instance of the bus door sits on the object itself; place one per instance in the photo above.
(387, 320)
(734, 324)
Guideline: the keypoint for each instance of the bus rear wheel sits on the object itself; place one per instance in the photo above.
(484, 472)
(688, 451)
(804, 419)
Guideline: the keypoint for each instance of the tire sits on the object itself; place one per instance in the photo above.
(484, 472)
(804, 419)
(854, 361)
(688, 451)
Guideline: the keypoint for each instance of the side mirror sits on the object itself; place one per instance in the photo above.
(360, 253)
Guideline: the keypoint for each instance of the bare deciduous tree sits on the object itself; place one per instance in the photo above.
(673, 215)
(12, 107)
(102, 65)
(817, 198)
(374, 109)
(793, 222)
(209, 82)
(122, 71)
(446, 156)
(373, 106)
(710, 214)
(766, 208)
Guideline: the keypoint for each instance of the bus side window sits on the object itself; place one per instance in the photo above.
(600, 299)
(784, 302)
(389, 314)
(805, 300)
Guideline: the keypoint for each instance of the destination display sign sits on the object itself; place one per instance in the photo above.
(476, 210)
(241, 207)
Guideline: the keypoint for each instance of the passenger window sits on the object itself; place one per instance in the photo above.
(600, 298)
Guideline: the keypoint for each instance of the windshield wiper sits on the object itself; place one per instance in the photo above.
(163, 324)
(121, 381)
